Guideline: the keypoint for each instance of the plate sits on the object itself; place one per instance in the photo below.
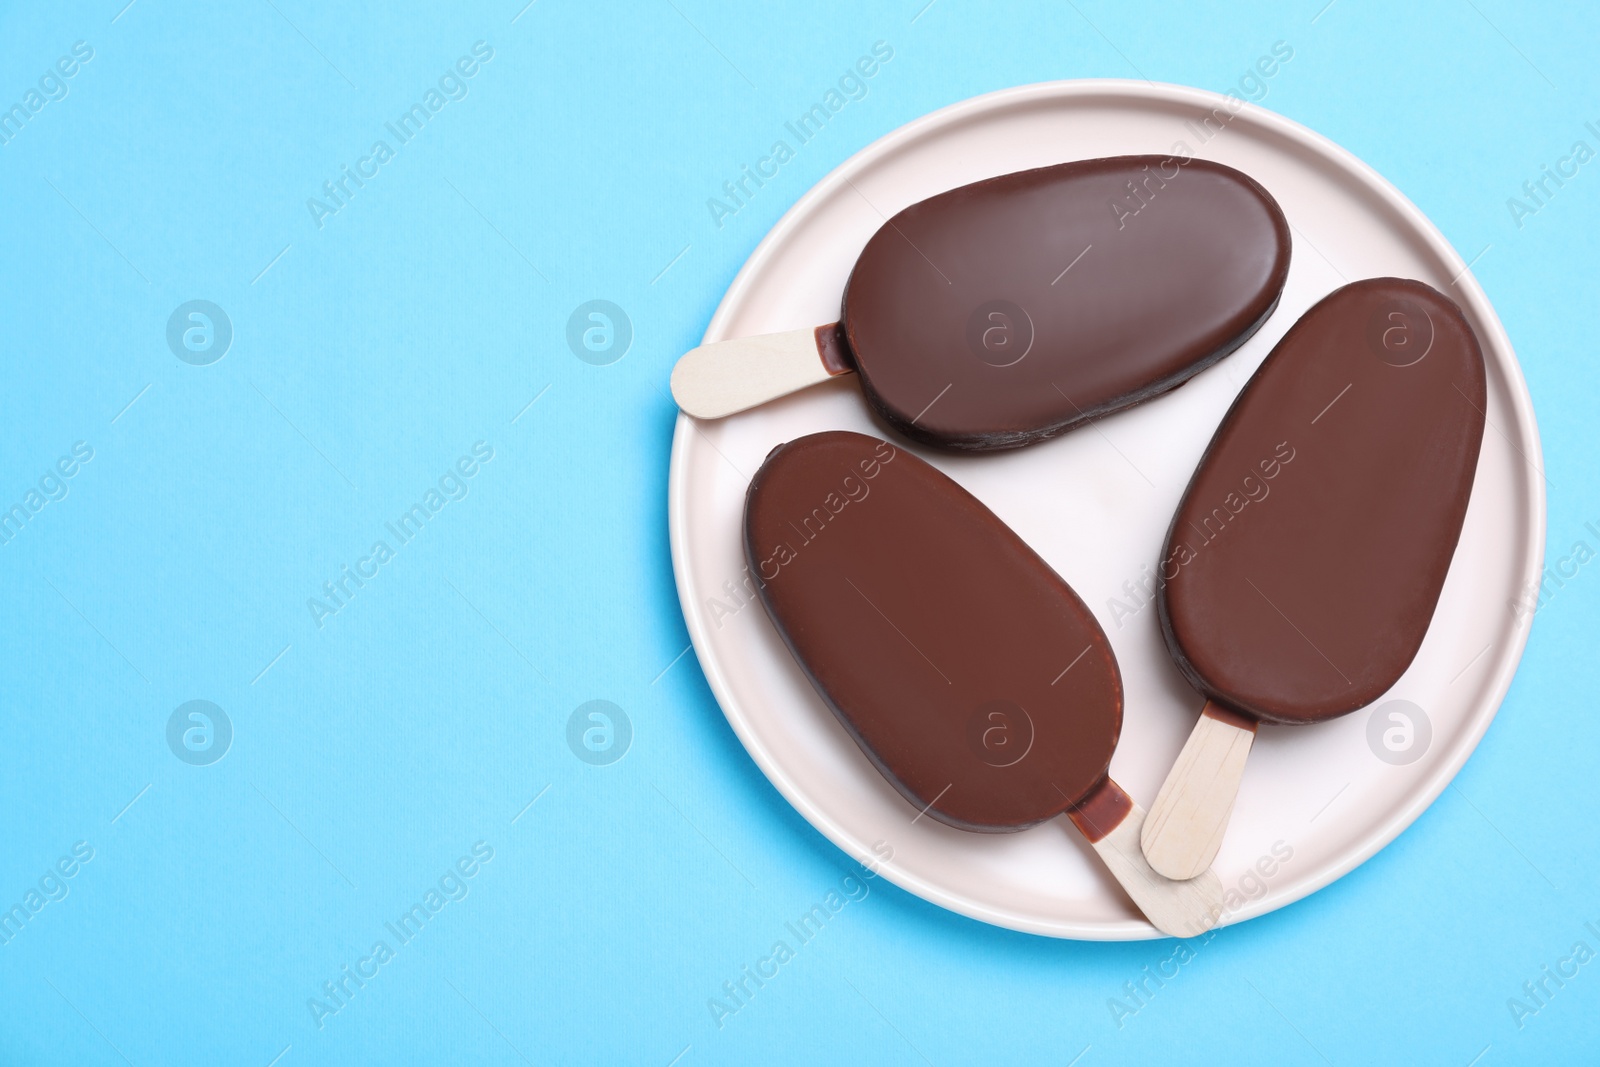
(1095, 503)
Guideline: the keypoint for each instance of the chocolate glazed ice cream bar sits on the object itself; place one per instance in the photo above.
(1305, 560)
(967, 671)
(1012, 309)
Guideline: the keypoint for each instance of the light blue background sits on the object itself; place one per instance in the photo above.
(425, 715)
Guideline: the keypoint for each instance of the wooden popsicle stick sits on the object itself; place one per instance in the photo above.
(1111, 821)
(718, 379)
(1184, 831)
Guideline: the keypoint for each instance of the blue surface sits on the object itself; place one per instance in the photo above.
(375, 747)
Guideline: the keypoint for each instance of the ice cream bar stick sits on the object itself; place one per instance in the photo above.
(724, 377)
(1184, 831)
(1111, 821)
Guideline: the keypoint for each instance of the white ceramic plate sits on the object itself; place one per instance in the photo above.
(1095, 503)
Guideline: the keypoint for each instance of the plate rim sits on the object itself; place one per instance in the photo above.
(1125, 91)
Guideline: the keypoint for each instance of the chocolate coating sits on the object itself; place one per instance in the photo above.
(1303, 565)
(965, 668)
(970, 331)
